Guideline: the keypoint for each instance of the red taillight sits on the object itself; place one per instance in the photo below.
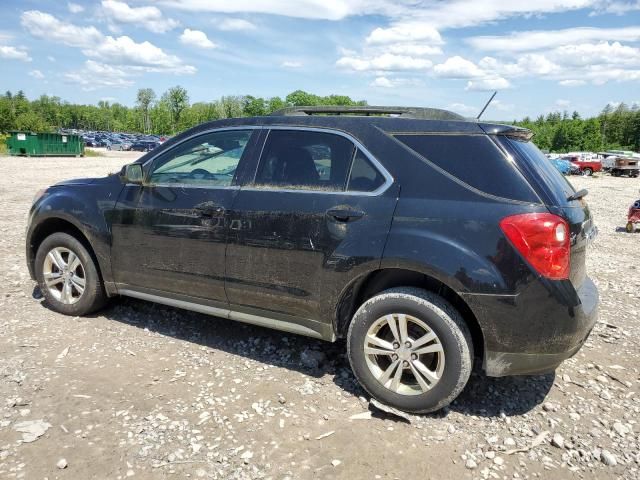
(543, 240)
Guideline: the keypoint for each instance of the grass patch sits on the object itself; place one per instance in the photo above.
(92, 153)
(3, 144)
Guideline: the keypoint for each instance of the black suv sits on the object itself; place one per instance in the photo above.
(422, 239)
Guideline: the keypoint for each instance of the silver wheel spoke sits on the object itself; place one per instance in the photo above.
(434, 348)
(384, 378)
(56, 259)
(402, 324)
(431, 376)
(391, 321)
(395, 383)
(78, 283)
(424, 386)
(377, 351)
(53, 278)
(424, 340)
(73, 263)
(65, 295)
(378, 342)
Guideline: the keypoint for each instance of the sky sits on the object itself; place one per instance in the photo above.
(540, 56)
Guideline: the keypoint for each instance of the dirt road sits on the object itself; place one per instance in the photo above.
(146, 391)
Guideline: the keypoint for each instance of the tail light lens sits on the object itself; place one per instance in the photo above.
(543, 240)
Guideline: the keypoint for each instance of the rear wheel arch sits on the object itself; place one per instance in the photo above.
(377, 281)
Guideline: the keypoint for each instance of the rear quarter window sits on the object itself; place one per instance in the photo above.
(474, 160)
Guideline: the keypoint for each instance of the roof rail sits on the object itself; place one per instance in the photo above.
(402, 112)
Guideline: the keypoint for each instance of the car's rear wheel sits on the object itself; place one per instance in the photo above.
(410, 349)
(68, 276)
(630, 227)
(587, 171)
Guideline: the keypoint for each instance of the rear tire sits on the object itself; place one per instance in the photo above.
(446, 359)
(631, 228)
(68, 276)
(587, 172)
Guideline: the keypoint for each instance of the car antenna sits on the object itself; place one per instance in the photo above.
(486, 105)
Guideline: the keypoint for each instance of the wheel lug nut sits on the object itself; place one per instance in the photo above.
(414, 356)
(395, 356)
(396, 345)
(407, 344)
(405, 363)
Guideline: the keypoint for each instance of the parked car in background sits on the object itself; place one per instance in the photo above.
(119, 145)
(145, 146)
(585, 167)
(422, 239)
(563, 166)
(620, 166)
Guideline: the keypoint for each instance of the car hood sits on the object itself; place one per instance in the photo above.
(85, 181)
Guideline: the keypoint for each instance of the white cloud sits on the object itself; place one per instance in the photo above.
(383, 82)
(146, 56)
(14, 53)
(488, 83)
(75, 8)
(457, 67)
(196, 38)
(562, 103)
(604, 53)
(43, 25)
(51, 58)
(413, 50)
(37, 74)
(572, 83)
(291, 64)
(96, 75)
(122, 50)
(384, 62)
(150, 18)
(463, 109)
(541, 39)
(235, 24)
(405, 32)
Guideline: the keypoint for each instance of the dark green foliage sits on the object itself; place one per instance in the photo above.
(615, 127)
(170, 114)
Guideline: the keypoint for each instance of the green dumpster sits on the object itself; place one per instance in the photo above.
(45, 144)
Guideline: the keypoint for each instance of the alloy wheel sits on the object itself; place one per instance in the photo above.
(404, 354)
(64, 275)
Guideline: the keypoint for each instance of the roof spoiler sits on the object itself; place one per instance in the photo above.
(517, 133)
(418, 113)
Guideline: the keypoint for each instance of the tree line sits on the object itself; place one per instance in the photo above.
(168, 114)
(615, 127)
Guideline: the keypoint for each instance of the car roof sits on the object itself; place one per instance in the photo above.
(354, 123)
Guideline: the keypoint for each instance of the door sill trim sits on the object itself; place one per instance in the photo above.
(252, 319)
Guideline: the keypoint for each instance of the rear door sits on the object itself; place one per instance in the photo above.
(316, 215)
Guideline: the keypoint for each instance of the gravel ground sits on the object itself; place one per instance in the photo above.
(146, 391)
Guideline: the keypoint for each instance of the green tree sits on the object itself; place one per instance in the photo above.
(176, 99)
(144, 99)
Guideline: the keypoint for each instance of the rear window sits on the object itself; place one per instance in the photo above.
(554, 183)
(475, 160)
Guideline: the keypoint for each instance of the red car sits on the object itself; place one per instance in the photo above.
(587, 167)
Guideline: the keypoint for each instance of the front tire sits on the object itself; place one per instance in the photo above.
(410, 349)
(68, 276)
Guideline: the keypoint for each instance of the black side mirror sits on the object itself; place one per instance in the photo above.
(132, 173)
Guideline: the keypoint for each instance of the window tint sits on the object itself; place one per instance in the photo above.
(305, 160)
(364, 176)
(475, 160)
(208, 160)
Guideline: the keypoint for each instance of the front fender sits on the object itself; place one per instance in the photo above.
(87, 207)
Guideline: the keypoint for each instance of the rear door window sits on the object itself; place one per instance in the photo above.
(308, 160)
(475, 160)
(364, 176)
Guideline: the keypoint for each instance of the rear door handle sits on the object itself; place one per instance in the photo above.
(210, 211)
(345, 214)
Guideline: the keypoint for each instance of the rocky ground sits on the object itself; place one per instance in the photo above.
(146, 391)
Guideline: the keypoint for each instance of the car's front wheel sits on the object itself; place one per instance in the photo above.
(410, 349)
(68, 276)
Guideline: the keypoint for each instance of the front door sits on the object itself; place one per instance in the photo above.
(169, 235)
(316, 216)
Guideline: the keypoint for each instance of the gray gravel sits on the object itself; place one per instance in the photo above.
(146, 391)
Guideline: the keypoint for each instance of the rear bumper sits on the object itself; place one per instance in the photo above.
(535, 331)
